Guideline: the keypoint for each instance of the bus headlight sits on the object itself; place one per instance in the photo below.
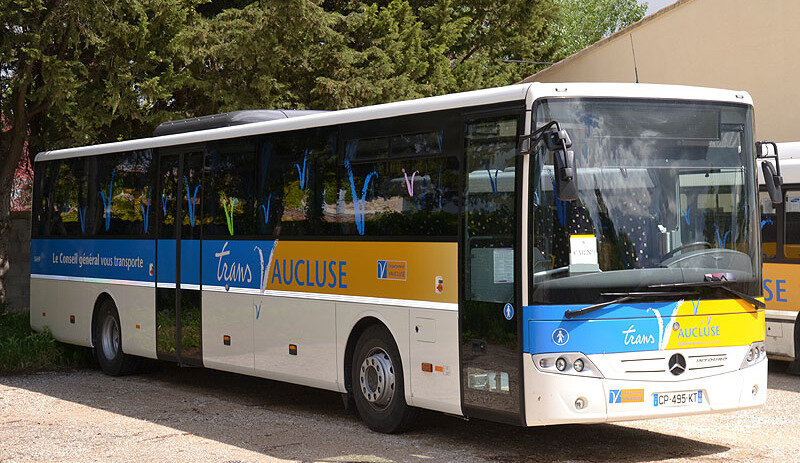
(561, 364)
(567, 363)
(756, 353)
(578, 365)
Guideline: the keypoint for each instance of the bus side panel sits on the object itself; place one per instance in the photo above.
(68, 276)
(137, 315)
(305, 324)
(780, 337)
(396, 319)
(54, 301)
(228, 331)
(434, 340)
(782, 296)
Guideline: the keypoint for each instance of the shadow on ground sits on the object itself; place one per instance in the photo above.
(299, 423)
(781, 377)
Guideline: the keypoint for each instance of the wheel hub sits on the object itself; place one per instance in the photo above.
(377, 378)
(109, 338)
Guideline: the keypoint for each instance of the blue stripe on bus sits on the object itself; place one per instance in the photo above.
(94, 258)
(631, 327)
(190, 261)
(166, 261)
(236, 264)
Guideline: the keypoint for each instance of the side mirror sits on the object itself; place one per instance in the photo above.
(772, 174)
(773, 181)
(566, 175)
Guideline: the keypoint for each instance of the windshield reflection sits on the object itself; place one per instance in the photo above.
(664, 188)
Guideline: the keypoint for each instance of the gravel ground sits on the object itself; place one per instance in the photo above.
(201, 415)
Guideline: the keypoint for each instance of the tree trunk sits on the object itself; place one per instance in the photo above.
(5, 232)
(14, 148)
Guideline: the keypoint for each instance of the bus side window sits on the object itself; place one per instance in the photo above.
(403, 185)
(66, 197)
(40, 213)
(791, 249)
(769, 229)
(229, 207)
(300, 167)
(119, 191)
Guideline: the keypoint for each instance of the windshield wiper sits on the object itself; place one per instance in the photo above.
(714, 284)
(623, 297)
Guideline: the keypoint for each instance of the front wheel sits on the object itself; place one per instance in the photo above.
(107, 339)
(377, 382)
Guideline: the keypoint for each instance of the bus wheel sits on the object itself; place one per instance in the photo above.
(377, 382)
(107, 339)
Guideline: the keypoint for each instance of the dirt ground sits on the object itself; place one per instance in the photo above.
(175, 414)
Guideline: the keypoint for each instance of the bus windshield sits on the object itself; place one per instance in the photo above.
(666, 195)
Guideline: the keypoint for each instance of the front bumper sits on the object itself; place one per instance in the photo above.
(550, 398)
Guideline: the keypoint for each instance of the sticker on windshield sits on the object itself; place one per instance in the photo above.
(583, 253)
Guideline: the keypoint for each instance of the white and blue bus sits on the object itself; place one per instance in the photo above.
(780, 235)
(532, 254)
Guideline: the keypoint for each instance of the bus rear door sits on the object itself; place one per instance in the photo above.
(178, 274)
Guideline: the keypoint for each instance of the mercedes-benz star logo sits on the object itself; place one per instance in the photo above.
(677, 364)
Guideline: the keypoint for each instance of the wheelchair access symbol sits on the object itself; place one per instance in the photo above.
(560, 336)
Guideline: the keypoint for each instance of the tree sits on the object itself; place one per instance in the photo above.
(78, 72)
(22, 186)
(499, 34)
(471, 44)
(394, 54)
(264, 55)
(584, 22)
(339, 54)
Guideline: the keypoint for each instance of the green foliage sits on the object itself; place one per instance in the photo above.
(23, 350)
(166, 333)
(265, 55)
(301, 54)
(89, 71)
(293, 196)
(584, 22)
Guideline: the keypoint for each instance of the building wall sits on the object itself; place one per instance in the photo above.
(734, 44)
(18, 285)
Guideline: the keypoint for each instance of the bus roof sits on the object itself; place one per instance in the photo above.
(518, 92)
(214, 121)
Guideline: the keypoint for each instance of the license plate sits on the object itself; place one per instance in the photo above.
(678, 399)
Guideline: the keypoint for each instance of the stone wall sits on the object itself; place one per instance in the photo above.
(18, 279)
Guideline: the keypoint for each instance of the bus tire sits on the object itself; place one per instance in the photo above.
(107, 342)
(794, 365)
(377, 382)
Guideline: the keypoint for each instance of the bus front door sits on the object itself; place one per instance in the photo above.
(489, 307)
(178, 300)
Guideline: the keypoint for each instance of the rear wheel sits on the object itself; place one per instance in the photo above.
(794, 365)
(377, 382)
(107, 341)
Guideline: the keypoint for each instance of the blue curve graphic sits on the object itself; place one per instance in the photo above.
(107, 201)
